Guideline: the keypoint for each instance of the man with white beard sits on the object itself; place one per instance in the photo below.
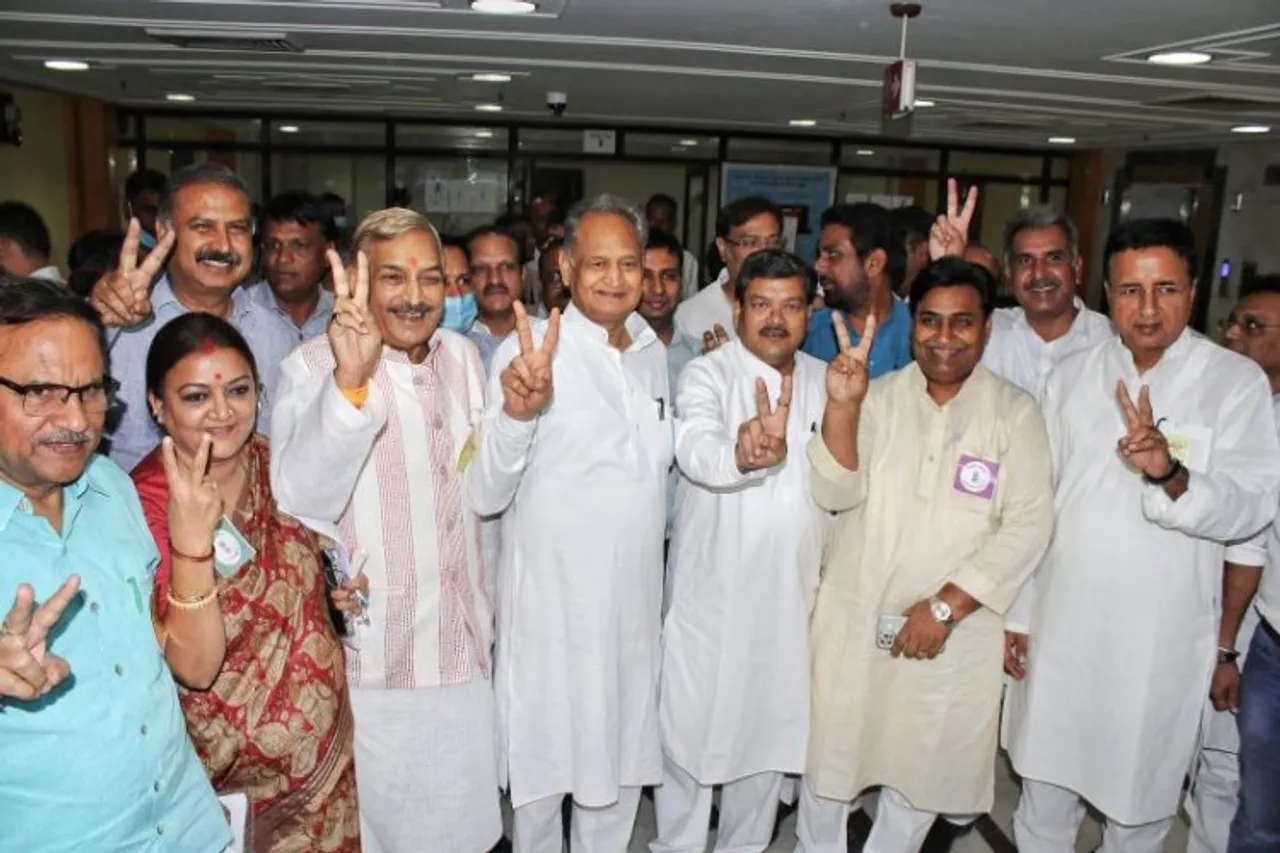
(579, 476)
(1164, 448)
(743, 569)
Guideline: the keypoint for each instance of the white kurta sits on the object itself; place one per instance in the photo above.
(743, 573)
(582, 492)
(960, 494)
(1125, 621)
(1017, 353)
(701, 312)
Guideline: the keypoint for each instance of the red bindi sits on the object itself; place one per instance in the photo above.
(217, 377)
(413, 262)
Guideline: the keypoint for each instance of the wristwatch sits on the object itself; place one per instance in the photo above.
(941, 611)
(1227, 656)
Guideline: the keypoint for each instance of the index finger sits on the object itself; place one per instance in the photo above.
(763, 409)
(522, 328)
(1144, 406)
(156, 259)
(200, 468)
(551, 339)
(51, 611)
(339, 274)
(842, 333)
(784, 396)
(868, 335)
(970, 205)
(361, 294)
(129, 250)
(18, 620)
(1126, 405)
(169, 458)
(953, 199)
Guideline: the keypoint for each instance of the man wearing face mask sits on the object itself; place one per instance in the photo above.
(496, 278)
(391, 403)
(143, 192)
(205, 220)
(853, 266)
(459, 295)
(296, 233)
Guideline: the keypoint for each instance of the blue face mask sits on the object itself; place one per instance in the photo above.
(340, 222)
(146, 238)
(459, 312)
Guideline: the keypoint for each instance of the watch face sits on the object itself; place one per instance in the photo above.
(941, 611)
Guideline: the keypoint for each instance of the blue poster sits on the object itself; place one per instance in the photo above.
(803, 193)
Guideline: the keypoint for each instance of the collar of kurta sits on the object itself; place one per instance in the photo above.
(753, 364)
(917, 378)
(642, 335)
(12, 499)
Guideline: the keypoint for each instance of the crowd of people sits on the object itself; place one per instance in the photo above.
(331, 539)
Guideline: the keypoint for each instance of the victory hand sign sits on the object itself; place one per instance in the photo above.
(526, 381)
(950, 233)
(123, 296)
(762, 441)
(27, 670)
(1144, 445)
(353, 332)
(847, 374)
(195, 504)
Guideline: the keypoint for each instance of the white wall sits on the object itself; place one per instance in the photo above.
(1252, 233)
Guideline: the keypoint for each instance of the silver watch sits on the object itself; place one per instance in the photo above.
(940, 610)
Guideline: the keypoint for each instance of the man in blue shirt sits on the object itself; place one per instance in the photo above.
(98, 760)
(855, 266)
(297, 230)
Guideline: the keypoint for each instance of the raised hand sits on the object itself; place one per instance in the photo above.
(27, 670)
(195, 504)
(762, 441)
(1144, 445)
(848, 375)
(950, 233)
(714, 338)
(353, 333)
(123, 296)
(526, 381)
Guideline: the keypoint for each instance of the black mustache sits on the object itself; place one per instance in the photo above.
(217, 257)
(410, 309)
(60, 435)
(768, 329)
(496, 288)
(1038, 282)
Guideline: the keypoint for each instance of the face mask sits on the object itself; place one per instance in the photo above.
(146, 239)
(340, 222)
(459, 312)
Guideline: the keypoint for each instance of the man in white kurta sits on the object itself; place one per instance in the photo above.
(369, 439)
(940, 474)
(1164, 448)
(579, 475)
(743, 570)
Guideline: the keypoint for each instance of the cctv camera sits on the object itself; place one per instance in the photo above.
(557, 102)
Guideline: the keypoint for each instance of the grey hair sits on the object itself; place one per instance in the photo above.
(605, 203)
(200, 173)
(1040, 216)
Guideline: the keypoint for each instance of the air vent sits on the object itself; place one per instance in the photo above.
(302, 86)
(1216, 104)
(245, 42)
(996, 126)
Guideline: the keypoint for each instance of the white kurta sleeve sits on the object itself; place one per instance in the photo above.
(505, 445)
(994, 572)
(834, 487)
(705, 452)
(1239, 493)
(1250, 552)
(319, 442)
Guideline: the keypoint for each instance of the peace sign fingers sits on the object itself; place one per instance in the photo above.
(48, 614)
(551, 339)
(863, 350)
(1146, 416)
(128, 260)
(361, 293)
(763, 408)
(523, 332)
(842, 333)
(1132, 417)
(961, 216)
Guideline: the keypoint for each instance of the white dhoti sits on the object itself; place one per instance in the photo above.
(427, 769)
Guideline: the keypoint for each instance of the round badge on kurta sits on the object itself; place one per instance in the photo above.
(975, 476)
(226, 548)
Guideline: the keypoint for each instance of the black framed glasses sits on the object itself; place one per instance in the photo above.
(41, 399)
(755, 242)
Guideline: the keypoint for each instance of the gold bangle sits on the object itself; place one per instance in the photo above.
(194, 602)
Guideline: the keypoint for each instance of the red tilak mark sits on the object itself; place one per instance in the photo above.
(208, 347)
(217, 377)
(413, 262)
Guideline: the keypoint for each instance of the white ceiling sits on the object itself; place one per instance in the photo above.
(1011, 72)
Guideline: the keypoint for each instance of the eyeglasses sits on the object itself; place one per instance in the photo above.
(752, 242)
(41, 399)
(1251, 326)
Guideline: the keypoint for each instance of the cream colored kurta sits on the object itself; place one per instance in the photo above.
(927, 506)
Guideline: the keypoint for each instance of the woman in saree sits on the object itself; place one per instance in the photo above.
(241, 607)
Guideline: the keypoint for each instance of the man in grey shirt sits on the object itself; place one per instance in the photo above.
(206, 219)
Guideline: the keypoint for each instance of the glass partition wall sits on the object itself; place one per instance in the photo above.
(464, 175)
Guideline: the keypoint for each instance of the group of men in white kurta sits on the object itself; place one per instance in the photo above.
(881, 560)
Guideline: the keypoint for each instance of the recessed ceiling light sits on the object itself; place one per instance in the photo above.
(490, 77)
(689, 143)
(484, 134)
(1251, 128)
(1062, 140)
(288, 128)
(864, 152)
(925, 102)
(489, 108)
(66, 65)
(1180, 57)
(174, 96)
(504, 7)
(802, 122)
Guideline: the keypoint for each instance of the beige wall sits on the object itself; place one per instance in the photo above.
(37, 171)
(1250, 233)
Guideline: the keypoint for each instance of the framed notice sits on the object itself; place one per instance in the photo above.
(803, 193)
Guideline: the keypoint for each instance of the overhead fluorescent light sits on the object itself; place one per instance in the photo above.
(66, 65)
(864, 152)
(1062, 140)
(484, 134)
(489, 108)
(288, 128)
(1251, 128)
(802, 122)
(176, 96)
(1180, 57)
(504, 7)
(689, 143)
(490, 77)
(925, 102)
